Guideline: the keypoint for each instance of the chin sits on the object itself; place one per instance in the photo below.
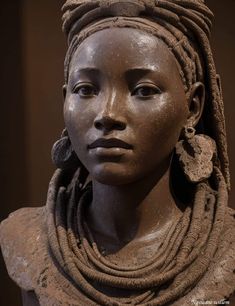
(111, 174)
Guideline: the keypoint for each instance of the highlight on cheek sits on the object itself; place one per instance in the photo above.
(69, 107)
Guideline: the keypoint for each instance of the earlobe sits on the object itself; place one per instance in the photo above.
(64, 90)
(196, 103)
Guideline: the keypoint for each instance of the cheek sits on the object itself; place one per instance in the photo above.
(162, 125)
(78, 118)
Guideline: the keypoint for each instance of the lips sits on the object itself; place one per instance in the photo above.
(109, 143)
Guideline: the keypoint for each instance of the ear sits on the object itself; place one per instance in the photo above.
(196, 103)
(64, 91)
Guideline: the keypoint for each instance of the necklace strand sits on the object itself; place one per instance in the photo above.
(182, 258)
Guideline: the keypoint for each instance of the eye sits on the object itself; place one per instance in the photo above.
(85, 90)
(146, 90)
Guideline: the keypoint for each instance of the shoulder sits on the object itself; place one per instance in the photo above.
(221, 273)
(219, 281)
(22, 239)
(20, 220)
(230, 216)
(227, 240)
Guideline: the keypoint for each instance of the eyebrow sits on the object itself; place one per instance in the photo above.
(131, 75)
(86, 70)
(138, 72)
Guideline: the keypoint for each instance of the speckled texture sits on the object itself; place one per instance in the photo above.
(196, 157)
(24, 235)
(30, 265)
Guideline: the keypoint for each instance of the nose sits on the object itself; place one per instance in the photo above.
(108, 123)
(111, 113)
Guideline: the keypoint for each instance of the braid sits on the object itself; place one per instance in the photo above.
(182, 259)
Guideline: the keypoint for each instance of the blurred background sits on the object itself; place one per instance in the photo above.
(32, 54)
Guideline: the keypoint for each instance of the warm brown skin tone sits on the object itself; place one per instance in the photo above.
(125, 84)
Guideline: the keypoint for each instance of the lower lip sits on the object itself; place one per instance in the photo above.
(114, 151)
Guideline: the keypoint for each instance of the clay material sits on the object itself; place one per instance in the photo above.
(127, 221)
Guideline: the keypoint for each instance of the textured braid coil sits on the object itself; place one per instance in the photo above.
(181, 262)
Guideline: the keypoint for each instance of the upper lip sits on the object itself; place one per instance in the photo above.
(109, 143)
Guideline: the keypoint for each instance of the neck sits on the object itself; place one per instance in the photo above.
(133, 211)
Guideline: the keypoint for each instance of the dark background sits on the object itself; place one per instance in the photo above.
(31, 53)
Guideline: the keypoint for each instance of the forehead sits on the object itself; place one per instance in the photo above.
(121, 49)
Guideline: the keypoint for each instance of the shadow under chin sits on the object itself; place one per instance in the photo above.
(112, 174)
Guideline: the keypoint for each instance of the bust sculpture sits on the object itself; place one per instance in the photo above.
(137, 211)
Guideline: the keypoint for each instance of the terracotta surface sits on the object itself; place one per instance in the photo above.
(125, 109)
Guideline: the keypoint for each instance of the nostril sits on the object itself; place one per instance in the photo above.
(119, 126)
(108, 124)
(98, 125)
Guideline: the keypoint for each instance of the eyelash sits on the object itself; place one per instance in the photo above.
(146, 87)
(146, 90)
(85, 86)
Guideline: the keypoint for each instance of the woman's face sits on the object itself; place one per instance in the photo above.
(125, 105)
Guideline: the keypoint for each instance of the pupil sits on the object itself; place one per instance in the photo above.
(86, 91)
(145, 91)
